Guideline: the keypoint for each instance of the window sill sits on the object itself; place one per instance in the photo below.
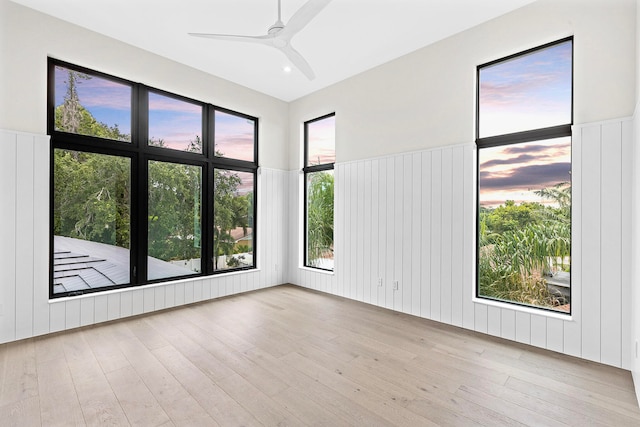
(523, 309)
(317, 270)
(151, 285)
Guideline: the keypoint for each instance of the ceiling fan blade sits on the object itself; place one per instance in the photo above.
(302, 17)
(237, 38)
(298, 61)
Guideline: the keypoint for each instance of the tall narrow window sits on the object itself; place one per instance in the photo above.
(524, 119)
(319, 154)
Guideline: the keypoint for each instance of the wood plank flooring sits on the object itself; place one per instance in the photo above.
(290, 356)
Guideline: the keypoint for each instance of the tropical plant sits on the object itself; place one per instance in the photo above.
(319, 217)
(522, 244)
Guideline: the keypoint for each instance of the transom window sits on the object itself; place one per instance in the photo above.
(146, 185)
(319, 159)
(524, 117)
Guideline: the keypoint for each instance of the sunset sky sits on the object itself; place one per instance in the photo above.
(525, 93)
(322, 141)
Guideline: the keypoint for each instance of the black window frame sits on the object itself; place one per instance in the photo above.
(540, 134)
(306, 170)
(140, 154)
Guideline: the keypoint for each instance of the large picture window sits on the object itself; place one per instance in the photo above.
(524, 117)
(142, 189)
(319, 158)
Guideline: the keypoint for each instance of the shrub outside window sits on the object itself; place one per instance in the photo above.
(524, 117)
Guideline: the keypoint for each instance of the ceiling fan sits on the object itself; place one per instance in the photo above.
(279, 35)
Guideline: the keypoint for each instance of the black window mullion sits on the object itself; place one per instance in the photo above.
(139, 199)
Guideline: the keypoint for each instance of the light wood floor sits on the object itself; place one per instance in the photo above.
(289, 356)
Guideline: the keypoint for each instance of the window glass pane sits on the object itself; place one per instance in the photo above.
(174, 123)
(233, 220)
(175, 204)
(91, 220)
(234, 136)
(86, 104)
(321, 141)
(525, 223)
(320, 219)
(531, 91)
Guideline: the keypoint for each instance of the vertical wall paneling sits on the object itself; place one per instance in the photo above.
(611, 244)
(375, 234)
(170, 294)
(397, 218)
(539, 330)
(419, 209)
(8, 177)
(555, 335)
(404, 294)
(359, 255)
(355, 239)
(149, 298)
(57, 317)
(591, 242)
(113, 306)
(342, 232)
(508, 324)
(87, 311)
(572, 330)
(494, 321)
(367, 233)
(436, 233)
(626, 264)
(523, 327)
(25, 236)
(126, 304)
(392, 199)
(457, 236)
(446, 262)
(72, 314)
(101, 309)
(425, 237)
(468, 221)
(480, 322)
(413, 306)
(137, 301)
(40, 262)
(25, 308)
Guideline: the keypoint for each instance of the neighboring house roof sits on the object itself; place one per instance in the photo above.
(238, 234)
(80, 265)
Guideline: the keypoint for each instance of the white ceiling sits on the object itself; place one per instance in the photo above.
(346, 38)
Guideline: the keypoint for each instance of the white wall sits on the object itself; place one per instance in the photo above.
(404, 179)
(27, 37)
(427, 98)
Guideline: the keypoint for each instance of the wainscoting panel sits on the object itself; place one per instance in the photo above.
(405, 225)
(25, 309)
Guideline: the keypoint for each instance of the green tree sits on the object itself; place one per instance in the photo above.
(91, 197)
(230, 210)
(319, 216)
(174, 211)
(72, 117)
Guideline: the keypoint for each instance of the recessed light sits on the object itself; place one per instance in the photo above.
(287, 69)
